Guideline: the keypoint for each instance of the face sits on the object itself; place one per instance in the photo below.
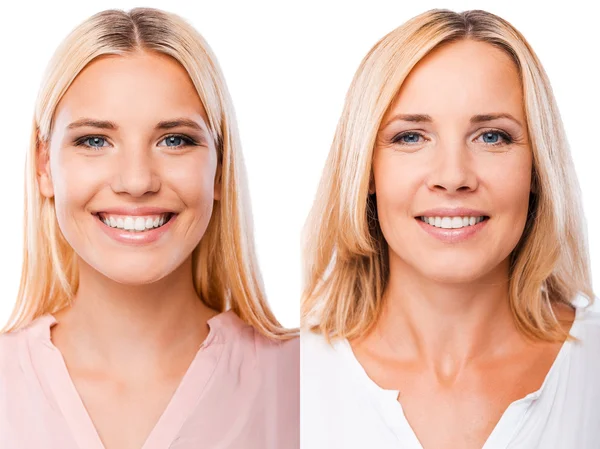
(132, 168)
(452, 165)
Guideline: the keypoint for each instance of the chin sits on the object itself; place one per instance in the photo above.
(453, 276)
(452, 270)
(134, 277)
(133, 270)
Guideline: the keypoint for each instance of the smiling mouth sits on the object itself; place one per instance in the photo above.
(134, 223)
(453, 222)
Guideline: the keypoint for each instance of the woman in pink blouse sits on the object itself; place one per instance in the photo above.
(141, 320)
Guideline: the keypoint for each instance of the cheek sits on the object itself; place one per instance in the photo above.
(397, 180)
(194, 179)
(507, 180)
(75, 182)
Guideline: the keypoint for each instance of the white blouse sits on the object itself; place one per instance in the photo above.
(341, 407)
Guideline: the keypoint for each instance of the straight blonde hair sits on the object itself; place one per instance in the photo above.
(226, 274)
(345, 256)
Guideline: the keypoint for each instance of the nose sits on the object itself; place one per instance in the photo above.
(135, 172)
(452, 170)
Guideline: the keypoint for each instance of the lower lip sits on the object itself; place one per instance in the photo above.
(452, 235)
(136, 237)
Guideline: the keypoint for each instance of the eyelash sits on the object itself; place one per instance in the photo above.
(507, 138)
(81, 141)
(187, 141)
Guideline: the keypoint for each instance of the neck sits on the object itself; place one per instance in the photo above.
(445, 325)
(119, 325)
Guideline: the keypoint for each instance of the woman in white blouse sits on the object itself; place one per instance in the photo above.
(447, 277)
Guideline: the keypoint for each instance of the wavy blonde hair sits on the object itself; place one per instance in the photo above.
(226, 275)
(345, 257)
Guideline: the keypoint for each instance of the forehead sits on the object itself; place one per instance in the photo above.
(462, 78)
(133, 88)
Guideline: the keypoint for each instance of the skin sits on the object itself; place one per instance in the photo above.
(136, 310)
(446, 338)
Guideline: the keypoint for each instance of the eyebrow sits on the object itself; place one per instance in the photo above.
(180, 122)
(163, 125)
(415, 118)
(490, 117)
(88, 122)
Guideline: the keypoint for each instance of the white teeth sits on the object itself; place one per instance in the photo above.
(139, 224)
(451, 222)
(129, 224)
(134, 223)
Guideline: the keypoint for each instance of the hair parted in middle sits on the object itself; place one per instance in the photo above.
(226, 273)
(345, 253)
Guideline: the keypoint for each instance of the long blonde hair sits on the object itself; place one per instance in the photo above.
(345, 257)
(226, 275)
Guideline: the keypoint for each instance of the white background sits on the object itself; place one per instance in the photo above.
(288, 66)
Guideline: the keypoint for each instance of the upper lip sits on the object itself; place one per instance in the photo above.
(452, 212)
(134, 211)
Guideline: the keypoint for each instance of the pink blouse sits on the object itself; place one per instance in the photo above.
(241, 391)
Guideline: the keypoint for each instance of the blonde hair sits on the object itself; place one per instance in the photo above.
(345, 258)
(226, 274)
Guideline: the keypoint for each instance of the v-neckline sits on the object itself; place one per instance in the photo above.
(390, 409)
(181, 404)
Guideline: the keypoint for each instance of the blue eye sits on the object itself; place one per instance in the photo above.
(174, 141)
(177, 140)
(94, 141)
(491, 137)
(91, 142)
(408, 138)
(495, 138)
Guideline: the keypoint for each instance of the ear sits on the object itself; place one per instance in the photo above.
(44, 177)
(217, 188)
